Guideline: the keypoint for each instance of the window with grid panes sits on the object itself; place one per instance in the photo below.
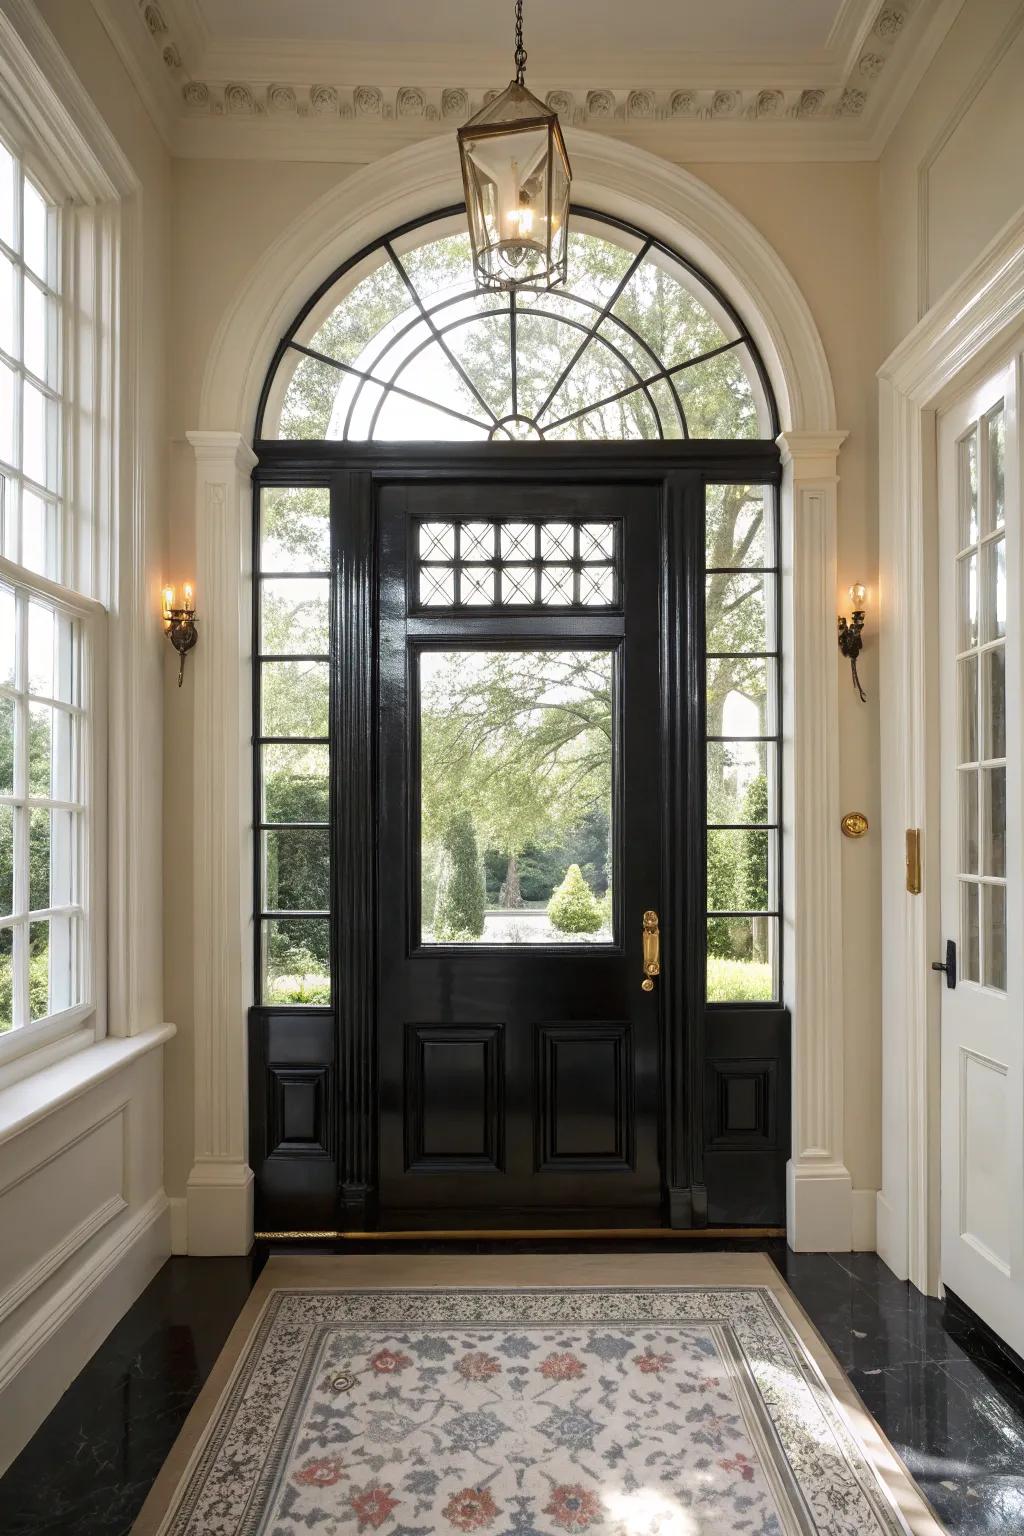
(742, 725)
(293, 853)
(45, 968)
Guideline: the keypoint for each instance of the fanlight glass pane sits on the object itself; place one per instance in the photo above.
(410, 350)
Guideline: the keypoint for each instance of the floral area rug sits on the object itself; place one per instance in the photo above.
(674, 1411)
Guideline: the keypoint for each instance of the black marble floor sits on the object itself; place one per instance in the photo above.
(944, 1394)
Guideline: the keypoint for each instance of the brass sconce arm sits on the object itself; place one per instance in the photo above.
(850, 635)
(180, 625)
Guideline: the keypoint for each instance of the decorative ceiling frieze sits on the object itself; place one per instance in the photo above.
(852, 97)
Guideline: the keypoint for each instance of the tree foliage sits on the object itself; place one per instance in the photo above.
(459, 904)
(572, 908)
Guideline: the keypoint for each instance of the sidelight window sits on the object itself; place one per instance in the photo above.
(742, 726)
(292, 744)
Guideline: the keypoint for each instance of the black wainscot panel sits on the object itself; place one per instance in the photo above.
(293, 1098)
(746, 1114)
(585, 1112)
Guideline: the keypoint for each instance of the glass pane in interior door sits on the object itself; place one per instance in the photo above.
(516, 820)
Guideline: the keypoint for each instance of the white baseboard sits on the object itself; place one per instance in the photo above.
(47, 1353)
(890, 1238)
(179, 1224)
(862, 1208)
(220, 1208)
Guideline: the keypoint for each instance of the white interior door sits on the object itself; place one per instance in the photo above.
(979, 630)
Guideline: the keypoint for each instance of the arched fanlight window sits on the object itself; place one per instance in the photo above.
(401, 345)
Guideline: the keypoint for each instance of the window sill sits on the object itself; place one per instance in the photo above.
(30, 1100)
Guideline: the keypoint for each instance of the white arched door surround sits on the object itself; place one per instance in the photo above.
(976, 325)
(688, 216)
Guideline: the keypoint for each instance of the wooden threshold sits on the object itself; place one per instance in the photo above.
(519, 1234)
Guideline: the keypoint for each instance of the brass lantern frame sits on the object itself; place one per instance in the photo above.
(555, 272)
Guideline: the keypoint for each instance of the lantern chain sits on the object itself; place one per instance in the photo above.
(520, 50)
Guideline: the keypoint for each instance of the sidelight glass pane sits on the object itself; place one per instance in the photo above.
(294, 698)
(742, 959)
(742, 870)
(295, 782)
(295, 616)
(516, 796)
(296, 955)
(296, 867)
(740, 612)
(740, 526)
(742, 781)
(741, 696)
(296, 528)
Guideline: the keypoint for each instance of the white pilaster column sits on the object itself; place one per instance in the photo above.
(220, 1186)
(819, 1191)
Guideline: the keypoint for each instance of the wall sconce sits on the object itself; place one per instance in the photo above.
(180, 623)
(850, 642)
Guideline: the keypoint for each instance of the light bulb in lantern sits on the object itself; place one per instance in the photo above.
(858, 595)
(520, 220)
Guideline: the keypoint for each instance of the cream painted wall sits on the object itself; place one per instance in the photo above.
(952, 173)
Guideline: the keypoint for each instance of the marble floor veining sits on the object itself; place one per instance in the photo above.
(945, 1395)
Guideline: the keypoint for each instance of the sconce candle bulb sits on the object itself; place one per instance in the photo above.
(850, 633)
(180, 623)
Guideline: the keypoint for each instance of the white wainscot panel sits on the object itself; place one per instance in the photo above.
(985, 1203)
(53, 1209)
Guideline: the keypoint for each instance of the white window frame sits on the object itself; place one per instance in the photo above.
(108, 579)
(90, 618)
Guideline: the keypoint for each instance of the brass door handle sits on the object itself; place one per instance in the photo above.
(652, 951)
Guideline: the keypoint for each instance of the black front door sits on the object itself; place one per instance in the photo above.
(520, 785)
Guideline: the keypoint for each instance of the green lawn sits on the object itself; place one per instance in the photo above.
(739, 981)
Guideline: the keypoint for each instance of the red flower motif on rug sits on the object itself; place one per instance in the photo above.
(321, 1472)
(478, 1367)
(564, 1367)
(471, 1510)
(652, 1364)
(387, 1361)
(741, 1464)
(573, 1507)
(373, 1505)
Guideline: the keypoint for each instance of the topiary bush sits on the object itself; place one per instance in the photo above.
(461, 898)
(572, 908)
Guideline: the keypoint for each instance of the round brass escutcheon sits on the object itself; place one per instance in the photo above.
(854, 824)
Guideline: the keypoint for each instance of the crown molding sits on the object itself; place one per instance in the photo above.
(288, 99)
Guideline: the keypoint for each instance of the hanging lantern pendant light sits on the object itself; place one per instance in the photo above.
(516, 173)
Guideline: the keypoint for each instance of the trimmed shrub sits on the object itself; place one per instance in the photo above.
(461, 899)
(572, 908)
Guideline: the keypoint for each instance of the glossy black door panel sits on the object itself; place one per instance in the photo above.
(518, 1076)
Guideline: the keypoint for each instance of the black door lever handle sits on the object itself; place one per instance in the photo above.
(947, 966)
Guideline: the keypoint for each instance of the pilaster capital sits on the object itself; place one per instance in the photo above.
(811, 455)
(227, 450)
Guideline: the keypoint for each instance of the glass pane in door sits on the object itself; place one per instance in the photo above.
(981, 623)
(516, 819)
